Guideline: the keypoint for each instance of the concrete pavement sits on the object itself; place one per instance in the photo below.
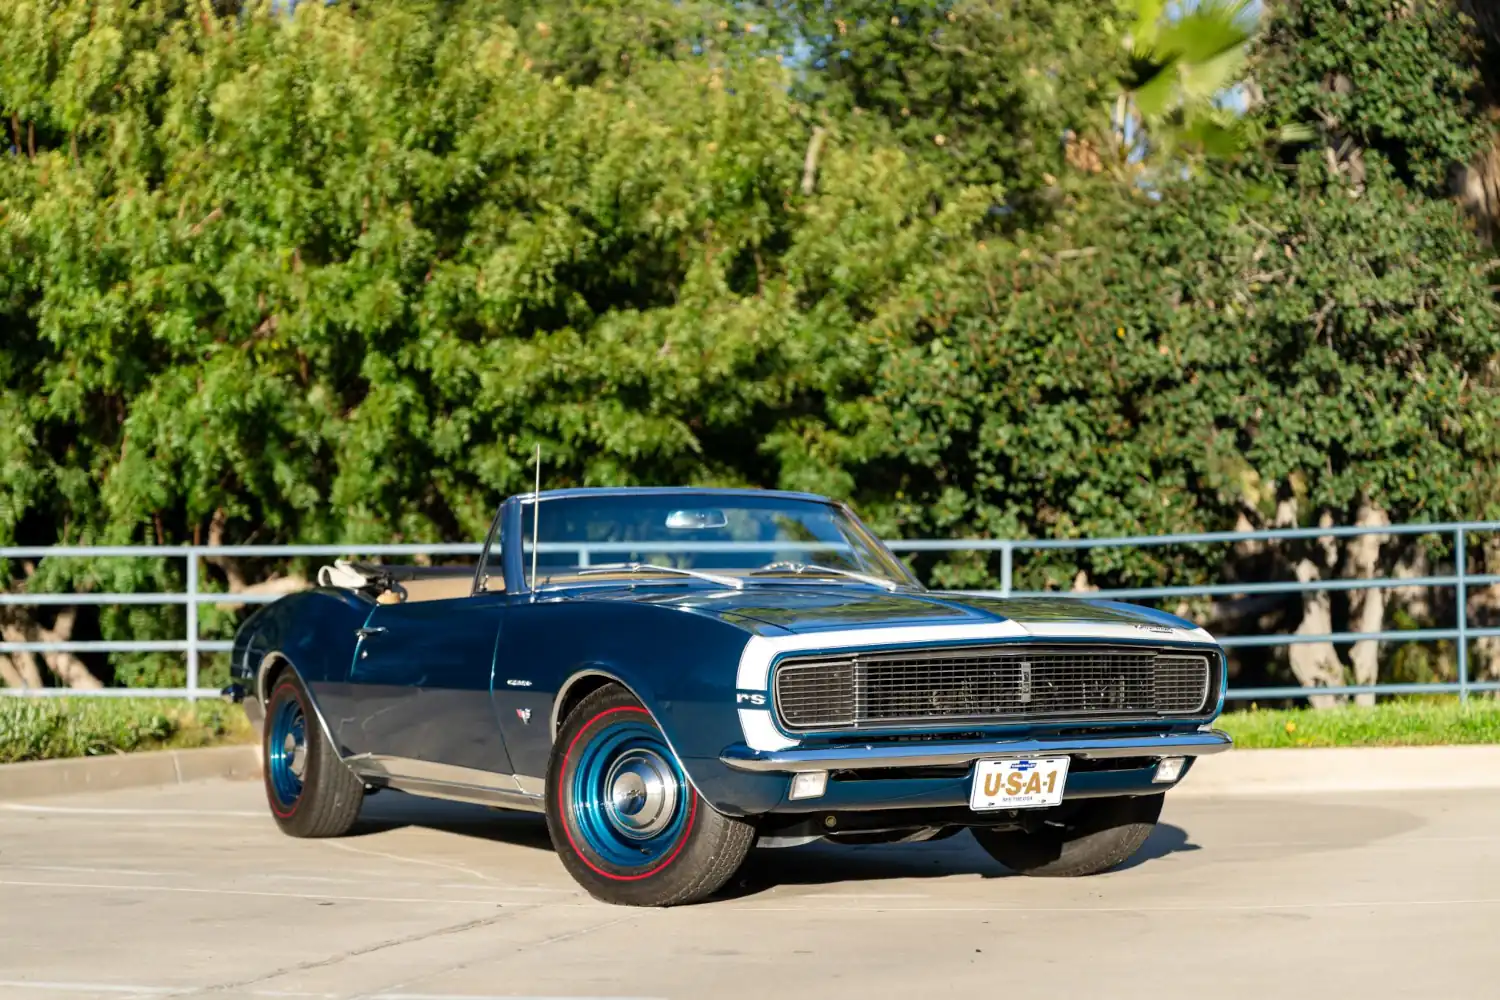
(191, 891)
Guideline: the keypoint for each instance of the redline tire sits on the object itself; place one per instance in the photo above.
(310, 792)
(626, 823)
(1091, 836)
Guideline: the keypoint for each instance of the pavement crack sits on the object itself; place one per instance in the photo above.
(529, 946)
(308, 966)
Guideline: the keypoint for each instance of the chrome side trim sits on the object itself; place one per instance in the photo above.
(468, 793)
(530, 785)
(447, 781)
(852, 757)
(379, 765)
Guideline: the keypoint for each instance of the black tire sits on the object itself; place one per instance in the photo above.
(1086, 838)
(328, 795)
(695, 851)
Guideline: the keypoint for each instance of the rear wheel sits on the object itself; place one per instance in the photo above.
(1084, 838)
(310, 791)
(626, 822)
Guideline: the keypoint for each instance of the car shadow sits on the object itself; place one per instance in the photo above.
(821, 863)
(827, 863)
(392, 810)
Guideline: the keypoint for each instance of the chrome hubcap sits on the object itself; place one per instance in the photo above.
(296, 753)
(642, 790)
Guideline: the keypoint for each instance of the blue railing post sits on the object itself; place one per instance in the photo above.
(192, 624)
(1007, 563)
(1461, 567)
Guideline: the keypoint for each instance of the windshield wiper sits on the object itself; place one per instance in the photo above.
(801, 568)
(637, 567)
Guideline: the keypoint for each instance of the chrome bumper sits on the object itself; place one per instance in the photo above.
(852, 757)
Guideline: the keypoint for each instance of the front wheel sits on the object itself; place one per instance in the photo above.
(309, 789)
(626, 822)
(1083, 838)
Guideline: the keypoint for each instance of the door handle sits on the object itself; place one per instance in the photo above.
(365, 633)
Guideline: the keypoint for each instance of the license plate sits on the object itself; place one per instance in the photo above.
(1029, 783)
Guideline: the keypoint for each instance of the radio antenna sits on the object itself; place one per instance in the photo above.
(536, 518)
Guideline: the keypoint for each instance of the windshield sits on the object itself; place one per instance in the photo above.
(725, 538)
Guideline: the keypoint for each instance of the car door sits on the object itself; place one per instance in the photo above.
(421, 682)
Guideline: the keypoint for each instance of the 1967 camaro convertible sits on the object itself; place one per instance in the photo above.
(675, 675)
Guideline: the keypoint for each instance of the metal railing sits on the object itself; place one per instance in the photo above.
(193, 596)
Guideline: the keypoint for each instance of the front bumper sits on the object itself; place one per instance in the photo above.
(865, 756)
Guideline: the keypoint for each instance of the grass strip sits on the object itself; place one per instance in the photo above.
(50, 728)
(1406, 722)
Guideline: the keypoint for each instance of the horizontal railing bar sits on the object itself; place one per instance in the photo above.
(1341, 638)
(183, 551)
(98, 646)
(48, 600)
(1446, 687)
(116, 646)
(1196, 538)
(403, 549)
(898, 544)
(46, 692)
(1116, 593)
(1232, 589)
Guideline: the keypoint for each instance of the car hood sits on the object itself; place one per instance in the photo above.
(807, 610)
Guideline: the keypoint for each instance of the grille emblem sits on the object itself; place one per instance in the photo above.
(1023, 683)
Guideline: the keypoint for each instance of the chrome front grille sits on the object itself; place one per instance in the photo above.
(1008, 683)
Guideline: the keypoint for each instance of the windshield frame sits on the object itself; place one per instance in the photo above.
(514, 524)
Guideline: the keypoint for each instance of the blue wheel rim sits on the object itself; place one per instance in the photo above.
(630, 801)
(286, 751)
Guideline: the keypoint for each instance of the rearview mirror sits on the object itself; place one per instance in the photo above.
(691, 520)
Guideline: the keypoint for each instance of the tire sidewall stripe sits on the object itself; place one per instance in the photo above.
(564, 810)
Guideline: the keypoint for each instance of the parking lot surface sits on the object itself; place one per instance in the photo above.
(191, 891)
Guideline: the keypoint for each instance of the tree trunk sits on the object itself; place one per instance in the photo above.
(19, 671)
(234, 576)
(66, 667)
(1478, 183)
(1315, 664)
(1366, 607)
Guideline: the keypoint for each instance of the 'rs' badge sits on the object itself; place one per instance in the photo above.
(1023, 684)
(524, 714)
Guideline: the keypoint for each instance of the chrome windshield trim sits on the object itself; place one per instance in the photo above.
(853, 757)
(644, 567)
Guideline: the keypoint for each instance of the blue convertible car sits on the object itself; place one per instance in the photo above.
(675, 675)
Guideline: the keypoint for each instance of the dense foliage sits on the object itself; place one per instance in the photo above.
(331, 276)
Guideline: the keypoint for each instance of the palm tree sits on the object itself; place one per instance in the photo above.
(1183, 63)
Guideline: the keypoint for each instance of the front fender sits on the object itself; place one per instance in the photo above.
(680, 664)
